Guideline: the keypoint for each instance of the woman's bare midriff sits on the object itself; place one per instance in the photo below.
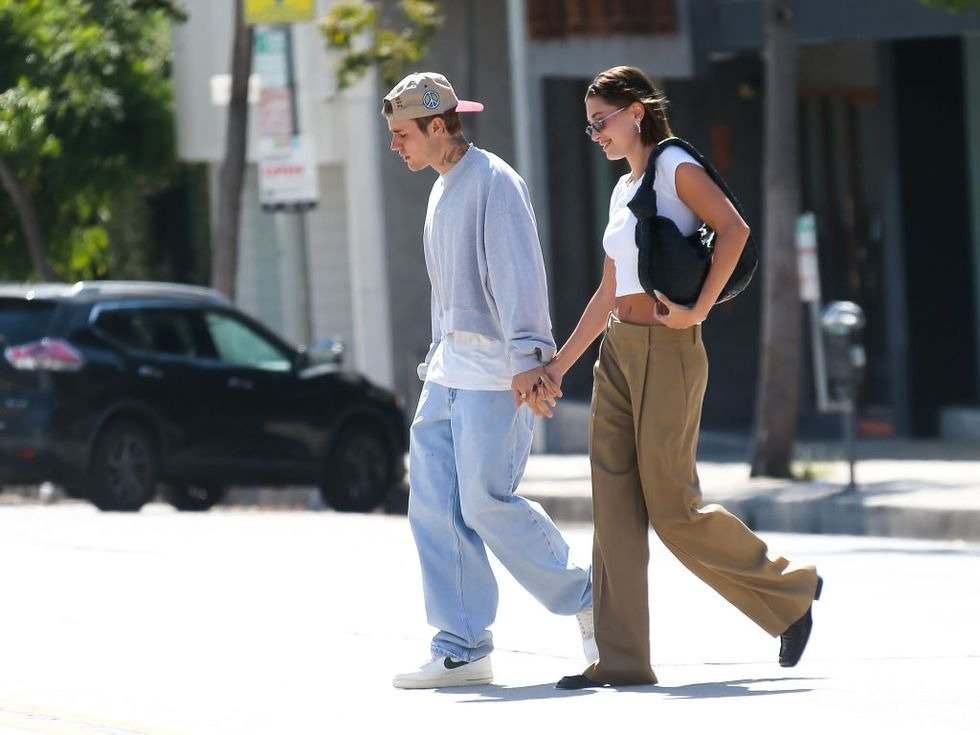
(638, 308)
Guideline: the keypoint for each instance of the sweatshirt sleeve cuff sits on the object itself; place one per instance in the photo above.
(521, 362)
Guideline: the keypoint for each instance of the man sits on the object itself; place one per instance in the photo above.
(471, 436)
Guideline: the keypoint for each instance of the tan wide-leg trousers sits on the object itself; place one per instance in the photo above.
(646, 411)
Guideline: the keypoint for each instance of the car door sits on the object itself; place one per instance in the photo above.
(168, 353)
(261, 395)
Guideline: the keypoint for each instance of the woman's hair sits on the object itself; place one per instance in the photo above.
(624, 85)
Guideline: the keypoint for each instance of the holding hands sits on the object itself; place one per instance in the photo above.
(539, 389)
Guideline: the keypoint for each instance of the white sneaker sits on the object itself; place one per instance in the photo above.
(445, 672)
(586, 624)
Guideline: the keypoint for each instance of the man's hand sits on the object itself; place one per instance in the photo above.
(541, 402)
(544, 397)
(543, 394)
(523, 384)
(529, 389)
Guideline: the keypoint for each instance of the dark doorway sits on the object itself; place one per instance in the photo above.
(841, 184)
(932, 141)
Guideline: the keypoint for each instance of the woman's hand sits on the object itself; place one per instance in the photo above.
(553, 375)
(547, 391)
(676, 316)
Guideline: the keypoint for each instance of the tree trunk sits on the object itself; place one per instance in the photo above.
(777, 397)
(224, 255)
(28, 221)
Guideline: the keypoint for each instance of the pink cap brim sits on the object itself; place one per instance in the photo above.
(468, 106)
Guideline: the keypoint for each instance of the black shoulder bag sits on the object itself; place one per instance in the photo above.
(675, 265)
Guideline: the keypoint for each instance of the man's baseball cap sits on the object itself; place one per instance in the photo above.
(422, 95)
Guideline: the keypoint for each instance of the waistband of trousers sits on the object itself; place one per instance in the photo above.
(651, 333)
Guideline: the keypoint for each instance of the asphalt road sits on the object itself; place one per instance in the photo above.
(257, 621)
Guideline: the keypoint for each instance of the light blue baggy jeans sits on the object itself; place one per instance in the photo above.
(468, 453)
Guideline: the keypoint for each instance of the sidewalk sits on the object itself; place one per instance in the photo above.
(917, 489)
(906, 488)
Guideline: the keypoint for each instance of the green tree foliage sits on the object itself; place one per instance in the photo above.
(85, 115)
(955, 6)
(391, 50)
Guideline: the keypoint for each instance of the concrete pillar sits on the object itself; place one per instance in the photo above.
(365, 141)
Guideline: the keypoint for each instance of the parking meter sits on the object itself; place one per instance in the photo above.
(843, 324)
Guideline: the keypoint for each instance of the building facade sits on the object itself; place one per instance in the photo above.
(889, 134)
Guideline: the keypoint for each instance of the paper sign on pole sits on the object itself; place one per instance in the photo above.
(289, 178)
(279, 11)
(806, 257)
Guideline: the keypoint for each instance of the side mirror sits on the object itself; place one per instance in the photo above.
(329, 351)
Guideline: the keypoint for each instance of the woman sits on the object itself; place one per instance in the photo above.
(646, 407)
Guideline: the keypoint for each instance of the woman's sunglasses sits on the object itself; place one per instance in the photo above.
(595, 127)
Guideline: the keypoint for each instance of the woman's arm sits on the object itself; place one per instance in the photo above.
(697, 190)
(589, 326)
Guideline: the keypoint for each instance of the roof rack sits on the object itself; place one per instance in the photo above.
(34, 290)
(109, 288)
(145, 288)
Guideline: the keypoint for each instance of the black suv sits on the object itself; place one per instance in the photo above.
(111, 389)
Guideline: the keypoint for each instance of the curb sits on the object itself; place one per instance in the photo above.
(813, 507)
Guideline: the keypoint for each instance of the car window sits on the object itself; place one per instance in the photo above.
(24, 321)
(175, 332)
(238, 344)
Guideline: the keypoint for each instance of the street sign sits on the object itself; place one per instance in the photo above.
(279, 11)
(806, 257)
(288, 178)
(270, 59)
(275, 114)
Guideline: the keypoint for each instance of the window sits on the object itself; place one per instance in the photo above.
(164, 331)
(548, 19)
(24, 321)
(239, 344)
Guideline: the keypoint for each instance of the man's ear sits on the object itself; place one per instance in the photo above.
(437, 126)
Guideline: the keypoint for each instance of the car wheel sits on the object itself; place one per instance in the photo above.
(124, 468)
(193, 497)
(357, 477)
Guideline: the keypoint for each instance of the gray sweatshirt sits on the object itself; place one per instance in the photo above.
(484, 260)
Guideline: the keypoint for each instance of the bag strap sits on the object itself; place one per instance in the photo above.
(644, 203)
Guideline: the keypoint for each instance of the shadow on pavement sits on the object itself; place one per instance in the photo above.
(706, 690)
(722, 689)
(497, 693)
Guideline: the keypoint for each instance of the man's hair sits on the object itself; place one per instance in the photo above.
(454, 126)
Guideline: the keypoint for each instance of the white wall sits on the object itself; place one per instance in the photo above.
(345, 266)
(202, 49)
(333, 311)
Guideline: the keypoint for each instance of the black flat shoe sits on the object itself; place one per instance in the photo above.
(578, 681)
(793, 641)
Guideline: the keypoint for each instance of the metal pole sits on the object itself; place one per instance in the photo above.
(849, 419)
(303, 282)
(819, 359)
